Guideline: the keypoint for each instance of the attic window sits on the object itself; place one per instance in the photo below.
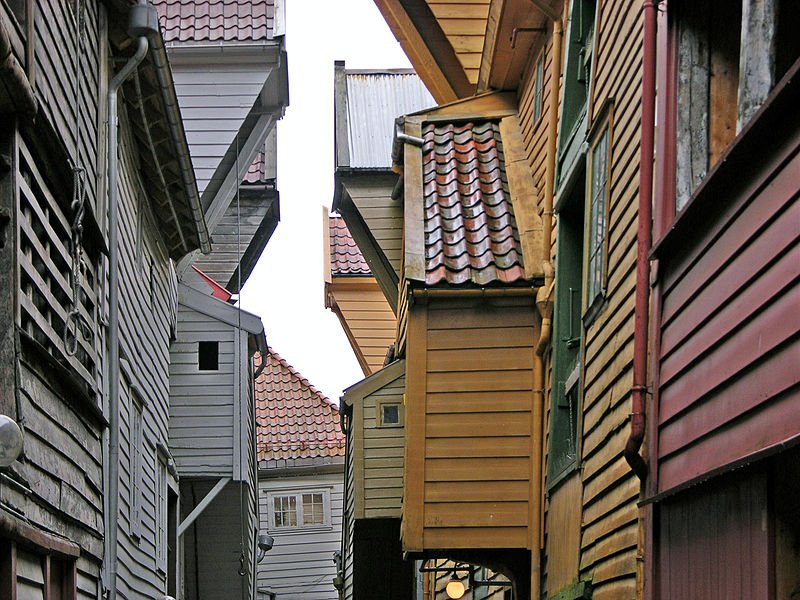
(390, 414)
(208, 356)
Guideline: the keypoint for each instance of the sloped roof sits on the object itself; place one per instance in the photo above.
(216, 20)
(295, 420)
(470, 230)
(346, 258)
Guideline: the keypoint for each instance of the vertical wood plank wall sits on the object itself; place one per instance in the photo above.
(471, 415)
(300, 566)
(610, 490)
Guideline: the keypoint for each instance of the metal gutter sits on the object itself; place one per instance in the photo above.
(113, 307)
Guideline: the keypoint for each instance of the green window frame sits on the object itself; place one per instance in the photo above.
(538, 88)
(597, 213)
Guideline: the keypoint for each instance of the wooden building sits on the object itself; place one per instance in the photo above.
(231, 81)
(724, 422)
(212, 442)
(582, 76)
(354, 295)
(91, 424)
(300, 491)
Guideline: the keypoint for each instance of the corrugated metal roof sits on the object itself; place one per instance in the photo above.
(216, 20)
(374, 100)
(295, 420)
(346, 258)
(470, 230)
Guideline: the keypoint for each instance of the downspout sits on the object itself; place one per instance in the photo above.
(643, 243)
(544, 304)
(140, 20)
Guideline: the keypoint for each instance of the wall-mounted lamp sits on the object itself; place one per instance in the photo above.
(10, 441)
(455, 587)
(265, 544)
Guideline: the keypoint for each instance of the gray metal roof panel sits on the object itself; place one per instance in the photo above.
(374, 100)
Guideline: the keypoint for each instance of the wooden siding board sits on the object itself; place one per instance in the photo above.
(300, 565)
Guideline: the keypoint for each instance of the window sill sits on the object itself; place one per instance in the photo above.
(594, 310)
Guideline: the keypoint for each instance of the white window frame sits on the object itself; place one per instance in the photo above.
(298, 496)
(137, 464)
(161, 525)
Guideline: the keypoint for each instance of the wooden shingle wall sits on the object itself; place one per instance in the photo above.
(469, 376)
(609, 529)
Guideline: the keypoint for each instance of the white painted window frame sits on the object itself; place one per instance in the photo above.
(298, 495)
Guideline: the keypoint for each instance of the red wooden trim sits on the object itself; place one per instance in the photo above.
(35, 538)
(8, 570)
(667, 100)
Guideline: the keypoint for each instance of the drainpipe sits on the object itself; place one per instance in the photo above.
(544, 304)
(643, 243)
(140, 20)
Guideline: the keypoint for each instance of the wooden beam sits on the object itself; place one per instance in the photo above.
(427, 47)
(757, 56)
(207, 499)
(414, 217)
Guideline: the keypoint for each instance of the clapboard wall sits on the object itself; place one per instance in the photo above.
(148, 307)
(379, 453)
(610, 490)
(300, 566)
(468, 424)
(201, 425)
(383, 215)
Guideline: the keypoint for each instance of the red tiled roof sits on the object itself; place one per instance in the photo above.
(256, 172)
(470, 231)
(294, 419)
(346, 258)
(216, 20)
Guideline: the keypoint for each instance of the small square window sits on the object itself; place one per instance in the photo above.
(390, 414)
(208, 356)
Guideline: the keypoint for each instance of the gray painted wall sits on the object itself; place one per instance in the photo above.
(300, 566)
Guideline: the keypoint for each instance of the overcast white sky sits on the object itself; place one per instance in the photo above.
(286, 287)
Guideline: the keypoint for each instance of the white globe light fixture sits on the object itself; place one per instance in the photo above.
(455, 588)
(10, 441)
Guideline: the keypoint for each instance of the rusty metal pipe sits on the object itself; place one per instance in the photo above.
(643, 243)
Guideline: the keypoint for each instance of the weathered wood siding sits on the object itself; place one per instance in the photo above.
(469, 384)
(367, 318)
(300, 566)
(379, 455)
(610, 491)
(728, 346)
(201, 407)
(383, 216)
(71, 106)
(215, 96)
(148, 305)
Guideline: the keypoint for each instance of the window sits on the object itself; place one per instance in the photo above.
(597, 222)
(161, 513)
(538, 82)
(25, 573)
(567, 335)
(307, 509)
(391, 414)
(137, 466)
(208, 356)
(727, 62)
